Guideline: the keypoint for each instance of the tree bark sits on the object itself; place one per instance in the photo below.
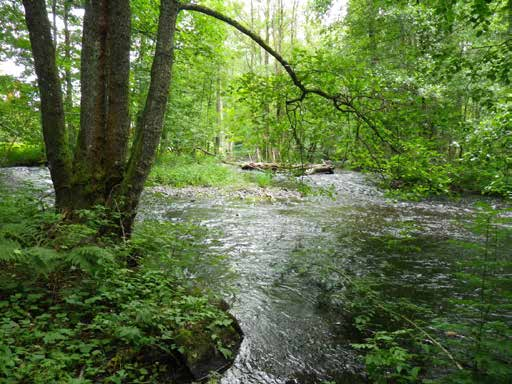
(104, 114)
(149, 128)
(89, 152)
(52, 111)
(118, 80)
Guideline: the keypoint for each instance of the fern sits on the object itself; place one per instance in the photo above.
(90, 259)
(42, 261)
(10, 251)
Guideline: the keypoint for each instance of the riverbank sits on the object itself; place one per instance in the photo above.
(90, 308)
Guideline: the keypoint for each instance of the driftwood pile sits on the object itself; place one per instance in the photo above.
(308, 169)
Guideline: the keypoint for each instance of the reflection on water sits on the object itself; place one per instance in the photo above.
(289, 337)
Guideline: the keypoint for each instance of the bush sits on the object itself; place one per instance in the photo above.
(418, 172)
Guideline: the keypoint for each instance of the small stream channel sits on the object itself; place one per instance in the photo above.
(275, 249)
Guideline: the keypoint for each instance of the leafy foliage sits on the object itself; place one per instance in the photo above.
(71, 305)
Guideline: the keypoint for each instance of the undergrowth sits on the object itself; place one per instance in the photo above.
(75, 312)
(182, 171)
(206, 171)
(19, 154)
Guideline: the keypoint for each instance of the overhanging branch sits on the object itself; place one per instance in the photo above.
(340, 102)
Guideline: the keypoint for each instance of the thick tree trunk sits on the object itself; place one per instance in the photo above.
(149, 128)
(104, 115)
(52, 111)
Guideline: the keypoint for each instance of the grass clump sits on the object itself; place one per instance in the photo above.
(261, 179)
(74, 312)
(19, 154)
(198, 171)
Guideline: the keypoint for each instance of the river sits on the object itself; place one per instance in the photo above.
(275, 254)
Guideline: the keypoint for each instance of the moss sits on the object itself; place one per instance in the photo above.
(207, 348)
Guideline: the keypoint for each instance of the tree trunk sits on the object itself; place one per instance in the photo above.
(68, 101)
(98, 174)
(149, 129)
(52, 111)
(104, 115)
(219, 137)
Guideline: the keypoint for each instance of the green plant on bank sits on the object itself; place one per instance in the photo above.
(408, 343)
(461, 337)
(18, 154)
(182, 171)
(310, 190)
(261, 179)
(72, 311)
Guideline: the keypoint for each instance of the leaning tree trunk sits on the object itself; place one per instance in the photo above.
(149, 127)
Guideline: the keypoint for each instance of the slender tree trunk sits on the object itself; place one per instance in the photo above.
(371, 31)
(219, 138)
(149, 130)
(252, 45)
(68, 101)
(293, 24)
(52, 111)
(54, 25)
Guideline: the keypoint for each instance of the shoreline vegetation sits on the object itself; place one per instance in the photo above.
(88, 308)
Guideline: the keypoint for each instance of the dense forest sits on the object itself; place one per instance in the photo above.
(179, 180)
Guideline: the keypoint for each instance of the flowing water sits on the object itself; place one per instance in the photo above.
(275, 254)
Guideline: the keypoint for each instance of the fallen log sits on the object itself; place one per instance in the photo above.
(260, 166)
(307, 169)
(319, 168)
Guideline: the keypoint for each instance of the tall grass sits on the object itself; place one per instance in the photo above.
(21, 154)
(200, 171)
